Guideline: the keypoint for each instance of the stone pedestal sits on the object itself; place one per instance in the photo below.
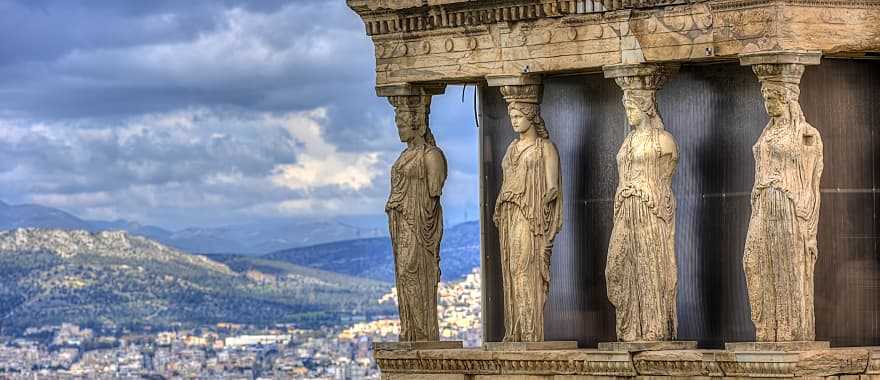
(777, 346)
(530, 346)
(648, 346)
(419, 345)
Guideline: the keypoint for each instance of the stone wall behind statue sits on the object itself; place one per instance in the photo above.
(716, 114)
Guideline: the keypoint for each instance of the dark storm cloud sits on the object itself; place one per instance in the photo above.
(173, 112)
(70, 59)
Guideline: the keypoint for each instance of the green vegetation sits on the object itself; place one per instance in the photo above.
(94, 280)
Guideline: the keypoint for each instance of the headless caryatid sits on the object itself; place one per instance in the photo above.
(781, 250)
(415, 219)
(528, 214)
(641, 271)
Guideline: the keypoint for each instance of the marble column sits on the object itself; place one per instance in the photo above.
(641, 270)
(415, 217)
(781, 249)
(528, 211)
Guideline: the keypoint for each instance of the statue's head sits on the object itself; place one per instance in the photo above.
(775, 100)
(640, 93)
(780, 88)
(412, 118)
(524, 116)
(640, 105)
(524, 108)
(409, 125)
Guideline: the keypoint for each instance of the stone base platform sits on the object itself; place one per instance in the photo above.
(777, 346)
(531, 346)
(648, 346)
(419, 345)
(855, 363)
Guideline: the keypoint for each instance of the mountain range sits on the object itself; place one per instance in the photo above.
(247, 239)
(372, 258)
(121, 273)
(117, 279)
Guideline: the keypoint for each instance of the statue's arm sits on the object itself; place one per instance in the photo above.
(808, 204)
(551, 169)
(435, 165)
(815, 173)
(669, 149)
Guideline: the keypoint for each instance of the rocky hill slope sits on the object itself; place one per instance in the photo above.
(253, 238)
(372, 258)
(115, 280)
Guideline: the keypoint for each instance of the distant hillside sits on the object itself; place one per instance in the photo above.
(248, 239)
(372, 258)
(113, 278)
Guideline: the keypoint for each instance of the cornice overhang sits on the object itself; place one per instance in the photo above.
(450, 41)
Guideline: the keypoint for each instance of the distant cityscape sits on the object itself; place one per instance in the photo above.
(229, 350)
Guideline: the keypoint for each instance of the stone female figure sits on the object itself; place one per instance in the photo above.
(528, 214)
(781, 250)
(641, 269)
(416, 220)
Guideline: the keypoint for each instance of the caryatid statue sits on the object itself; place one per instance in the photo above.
(528, 214)
(415, 219)
(641, 270)
(781, 250)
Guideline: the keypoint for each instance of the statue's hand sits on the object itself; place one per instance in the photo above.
(812, 248)
(550, 196)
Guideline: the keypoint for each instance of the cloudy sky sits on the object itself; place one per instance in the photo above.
(205, 112)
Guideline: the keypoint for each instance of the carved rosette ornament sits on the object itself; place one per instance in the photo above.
(781, 250)
(641, 270)
(528, 213)
(415, 218)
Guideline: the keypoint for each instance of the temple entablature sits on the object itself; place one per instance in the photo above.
(464, 41)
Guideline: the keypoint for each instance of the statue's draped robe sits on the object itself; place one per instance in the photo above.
(416, 226)
(527, 227)
(641, 269)
(779, 257)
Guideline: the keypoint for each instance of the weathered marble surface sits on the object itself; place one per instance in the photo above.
(530, 346)
(469, 40)
(419, 345)
(648, 346)
(641, 270)
(781, 248)
(855, 363)
(415, 218)
(777, 346)
(528, 214)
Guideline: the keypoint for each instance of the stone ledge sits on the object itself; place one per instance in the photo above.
(530, 346)
(648, 346)
(777, 346)
(477, 361)
(781, 57)
(837, 363)
(410, 346)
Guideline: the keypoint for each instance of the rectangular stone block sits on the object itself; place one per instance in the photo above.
(677, 363)
(874, 362)
(408, 346)
(648, 346)
(777, 346)
(433, 376)
(530, 346)
(833, 362)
